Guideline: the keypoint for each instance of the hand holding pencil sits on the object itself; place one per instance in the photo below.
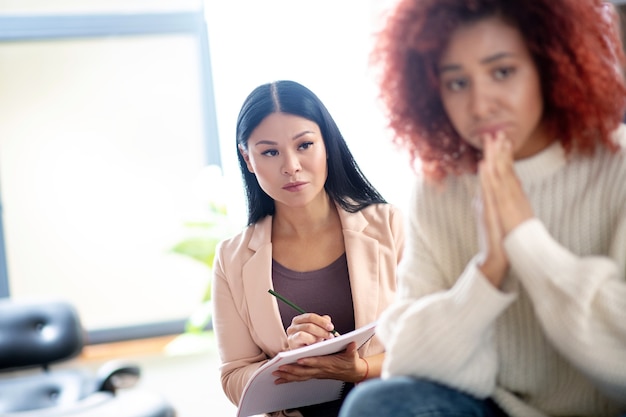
(307, 328)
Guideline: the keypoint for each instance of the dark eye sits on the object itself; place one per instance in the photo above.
(305, 145)
(270, 152)
(503, 72)
(456, 84)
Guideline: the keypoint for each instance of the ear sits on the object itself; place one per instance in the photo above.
(246, 157)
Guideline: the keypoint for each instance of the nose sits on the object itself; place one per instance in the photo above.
(291, 164)
(481, 102)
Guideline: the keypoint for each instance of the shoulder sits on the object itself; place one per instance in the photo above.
(439, 209)
(380, 211)
(614, 163)
(247, 241)
(382, 216)
(233, 247)
(619, 136)
(446, 193)
(238, 239)
(383, 222)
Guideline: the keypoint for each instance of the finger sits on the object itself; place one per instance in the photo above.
(494, 262)
(315, 324)
(303, 332)
(323, 322)
(310, 328)
(502, 155)
(351, 348)
(292, 373)
(330, 326)
(350, 354)
(508, 196)
(490, 218)
(301, 339)
(306, 337)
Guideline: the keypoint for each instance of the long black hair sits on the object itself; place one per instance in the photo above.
(345, 183)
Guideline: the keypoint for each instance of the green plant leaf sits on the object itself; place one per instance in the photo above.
(200, 248)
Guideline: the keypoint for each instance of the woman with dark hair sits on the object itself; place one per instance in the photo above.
(512, 289)
(345, 184)
(318, 233)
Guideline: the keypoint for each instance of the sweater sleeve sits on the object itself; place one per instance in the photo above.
(580, 302)
(424, 335)
(437, 330)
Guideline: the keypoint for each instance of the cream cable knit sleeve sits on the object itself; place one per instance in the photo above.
(413, 328)
(580, 303)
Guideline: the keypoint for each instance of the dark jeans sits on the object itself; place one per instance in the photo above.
(411, 397)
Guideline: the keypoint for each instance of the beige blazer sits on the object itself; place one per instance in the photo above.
(246, 319)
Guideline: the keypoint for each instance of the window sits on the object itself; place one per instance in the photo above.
(107, 122)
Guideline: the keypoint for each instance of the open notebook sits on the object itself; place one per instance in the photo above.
(261, 395)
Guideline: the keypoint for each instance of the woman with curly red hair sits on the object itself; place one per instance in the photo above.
(512, 288)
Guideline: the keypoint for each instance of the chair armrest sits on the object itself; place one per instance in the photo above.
(116, 374)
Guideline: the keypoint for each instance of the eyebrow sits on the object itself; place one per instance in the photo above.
(487, 60)
(271, 142)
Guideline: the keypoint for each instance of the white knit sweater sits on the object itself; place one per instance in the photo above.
(553, 341)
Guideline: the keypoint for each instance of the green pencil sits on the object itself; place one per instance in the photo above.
(295, 307)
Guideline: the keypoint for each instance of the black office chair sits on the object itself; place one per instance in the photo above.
(34, 334)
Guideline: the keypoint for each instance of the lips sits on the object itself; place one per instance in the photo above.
(490, 130)
(294, 186)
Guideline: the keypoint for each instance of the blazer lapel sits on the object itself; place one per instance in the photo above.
(263, 310)
(363, 266)
(362, 255)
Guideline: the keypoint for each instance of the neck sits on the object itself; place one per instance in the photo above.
(540, 139)
(307, 220)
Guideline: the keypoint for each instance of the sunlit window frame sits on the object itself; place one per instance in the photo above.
(18, 28)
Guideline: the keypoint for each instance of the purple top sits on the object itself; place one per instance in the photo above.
(324, 291)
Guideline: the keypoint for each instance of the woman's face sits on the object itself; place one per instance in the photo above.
(287, 155)
(489, 83)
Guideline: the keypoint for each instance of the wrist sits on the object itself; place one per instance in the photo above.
(493, 271)
(367, 371)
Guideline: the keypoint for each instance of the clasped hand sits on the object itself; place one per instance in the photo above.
(504, 204)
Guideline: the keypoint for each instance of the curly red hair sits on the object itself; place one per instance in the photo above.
(577, 51)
